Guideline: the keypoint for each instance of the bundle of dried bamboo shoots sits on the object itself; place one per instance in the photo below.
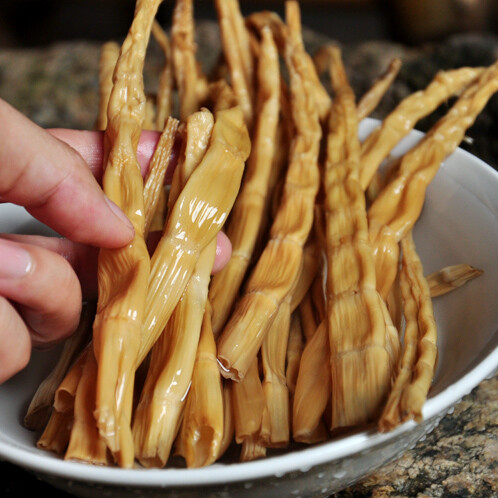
(322, 320)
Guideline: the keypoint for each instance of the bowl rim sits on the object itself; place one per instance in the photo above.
(300, 460)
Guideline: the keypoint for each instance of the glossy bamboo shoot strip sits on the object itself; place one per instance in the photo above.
(158, 414)
(184, 50)
(164, 98)
(403, 118)
(86, 443)
(202, 426)
(419, 357)
(295, 348)
(248, 212)
(370, 100)
(196, 218)
(252, 449)
(228, 418)
(312, 387)
(364, 347)
(450, 278)
(109, 54)
(41, 404)
(258, 20)
(123, 273)
(154, 182)
(173, 355)
(279, 265)
(273, 356)
(237, 51)
(398, 205)
(248, 404)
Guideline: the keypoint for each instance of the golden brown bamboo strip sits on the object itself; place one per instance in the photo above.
(108, 56)
(154, 181)
(196, 133)
(248, 212)
(228, 418)
(41, 403)
(248, 404)
(195, 219)
(313, 386)
(295, 348)
(85, 442)
(363, 350)
(123, 273)
(183, 49)
(202, 427)
(258, 20)
(273, 356)
(55, 436)
(158, 413)
(450, 278)
(398, 205)
(149, 122)
(237, 51)
(162, 400)
(278, 267)
(418, 361)
(164, 97)
(370, 100)
(403, 118)
(252, 449)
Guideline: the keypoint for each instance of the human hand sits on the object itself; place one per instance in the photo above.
(54, 174)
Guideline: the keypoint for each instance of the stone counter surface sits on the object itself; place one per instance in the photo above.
(57, 87)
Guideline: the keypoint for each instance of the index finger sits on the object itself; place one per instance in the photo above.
(54, 183)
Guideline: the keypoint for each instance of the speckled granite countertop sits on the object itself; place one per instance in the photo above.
(57, 87)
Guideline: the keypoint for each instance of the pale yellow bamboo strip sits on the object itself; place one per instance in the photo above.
(149, 122)
(173, 356)
(202, 426)
(183, 50)
(164, 98)
(123, 273)
(197, 216)
(419, 357)
(154, 181)
(403, 118)
(248, 212)
(237, 51)
(196, 133)
(370, 100)
(278, 267)
(108, 56)
(398, 205)
(258, 20)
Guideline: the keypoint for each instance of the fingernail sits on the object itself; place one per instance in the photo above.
(15, 262)
(118, 213)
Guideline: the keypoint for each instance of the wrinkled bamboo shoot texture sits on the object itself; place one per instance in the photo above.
(322, 321)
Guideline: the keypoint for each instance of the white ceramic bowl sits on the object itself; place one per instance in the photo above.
(459, 223)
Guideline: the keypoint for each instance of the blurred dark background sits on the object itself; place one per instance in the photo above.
(26, 23)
